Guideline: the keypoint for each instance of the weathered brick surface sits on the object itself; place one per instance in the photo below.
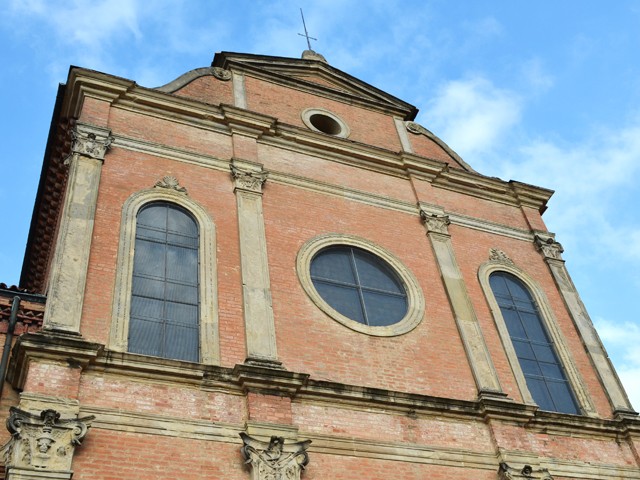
(287, 105)
(208, 89)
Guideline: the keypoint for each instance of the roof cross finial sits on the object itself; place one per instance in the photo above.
(306, 34)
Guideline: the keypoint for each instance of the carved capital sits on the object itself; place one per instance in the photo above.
(274, 460)
(43, 442)
(548, 246)
(498, 255)
(90, 141)
(249, 180)
(435, 223)
(506, 472)
(221, 74)
(170, 183)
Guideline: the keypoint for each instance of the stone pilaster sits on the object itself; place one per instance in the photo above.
(551, 251)
(274, 459)
(71, 258)
(256, 286)
(436, 224)
(42, 446)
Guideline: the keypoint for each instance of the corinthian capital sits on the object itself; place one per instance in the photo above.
(547, 244)
(274, 459)
(91, 141)
(43, 442)
(435, 223)
(248, 179)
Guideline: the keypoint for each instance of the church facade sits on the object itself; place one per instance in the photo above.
(267, 269)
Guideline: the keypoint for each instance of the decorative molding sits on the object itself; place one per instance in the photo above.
(221, 74)
(418, 129)
(498, 255)
(506, 472)
(91, 141)
(170, 183)
(415, 297)
(248, 180)
(274, 460)
(548, 246)
(43, 442)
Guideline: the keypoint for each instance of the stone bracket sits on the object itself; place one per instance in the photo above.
(506, 472)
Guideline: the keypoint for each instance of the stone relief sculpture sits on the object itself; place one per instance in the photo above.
(170, 183)
(274, 460)
(42, 442)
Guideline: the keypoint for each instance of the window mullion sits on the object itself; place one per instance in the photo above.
(358, 286)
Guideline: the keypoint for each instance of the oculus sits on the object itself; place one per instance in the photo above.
(360, 285)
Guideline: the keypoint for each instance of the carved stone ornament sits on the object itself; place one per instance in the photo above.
(435, 223)
(274, 460)
(548, 246)
(42, 442)
(506, 472)
(248, 179)
(416, 128)
(170, 183)
(90, 144)
(499, 256)
(221, 74)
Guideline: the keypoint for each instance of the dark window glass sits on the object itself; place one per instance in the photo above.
(164, 297)
(359, 285)
(539, 362)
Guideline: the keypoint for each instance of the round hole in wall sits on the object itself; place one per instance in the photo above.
(325, 121)
(325, 124)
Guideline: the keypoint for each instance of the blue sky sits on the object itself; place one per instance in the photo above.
(542, 92)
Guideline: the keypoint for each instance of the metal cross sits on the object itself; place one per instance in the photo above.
(306, 34)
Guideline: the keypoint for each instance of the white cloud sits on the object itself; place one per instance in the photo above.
(473, 115)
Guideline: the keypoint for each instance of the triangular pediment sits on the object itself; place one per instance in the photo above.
(315, 75)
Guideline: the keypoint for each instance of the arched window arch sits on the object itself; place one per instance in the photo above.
(534, 348)
(540, 359)
(164, 318)
(165, 295)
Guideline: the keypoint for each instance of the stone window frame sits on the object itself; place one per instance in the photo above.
(309, 112)
(415, 298)
(207, 272)
(549, 321)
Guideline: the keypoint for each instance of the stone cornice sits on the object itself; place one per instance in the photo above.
(70, 349)
(126, 94)
(279, 70)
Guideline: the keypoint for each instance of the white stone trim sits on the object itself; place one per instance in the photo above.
(309, 112)
(208, 293)
(415, 298)
(551, 324)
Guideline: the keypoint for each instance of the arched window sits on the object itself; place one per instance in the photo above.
(538, 359)
(164, 314)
